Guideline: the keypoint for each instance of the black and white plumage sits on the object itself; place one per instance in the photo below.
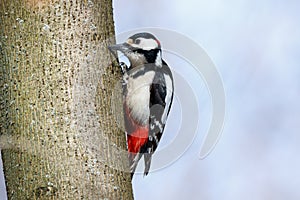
(147, 96)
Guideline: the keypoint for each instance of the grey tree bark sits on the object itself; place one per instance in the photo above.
(60, 126)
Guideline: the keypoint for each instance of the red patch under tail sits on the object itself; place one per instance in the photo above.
(137, 134)
(136, 139)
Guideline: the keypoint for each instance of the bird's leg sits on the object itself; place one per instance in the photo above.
(123, 67)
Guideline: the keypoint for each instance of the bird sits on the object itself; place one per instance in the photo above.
(147, 92)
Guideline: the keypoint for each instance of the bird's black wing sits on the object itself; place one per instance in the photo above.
(160, 103)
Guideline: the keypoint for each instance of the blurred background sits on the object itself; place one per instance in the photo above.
(255, 46)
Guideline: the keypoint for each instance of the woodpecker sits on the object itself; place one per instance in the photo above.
(147, 96)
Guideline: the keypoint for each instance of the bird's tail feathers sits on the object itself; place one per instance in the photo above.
(147, 159)
(133, 161)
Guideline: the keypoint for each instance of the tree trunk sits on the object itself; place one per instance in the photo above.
(60, 134)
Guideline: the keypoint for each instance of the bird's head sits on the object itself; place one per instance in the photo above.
(140, 49)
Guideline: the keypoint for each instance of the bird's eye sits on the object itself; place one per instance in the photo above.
(137, 41)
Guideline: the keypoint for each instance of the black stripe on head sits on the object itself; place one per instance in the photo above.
(143, 35)
(149, 55)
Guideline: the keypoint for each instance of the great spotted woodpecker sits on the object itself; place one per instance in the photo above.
(147, 96)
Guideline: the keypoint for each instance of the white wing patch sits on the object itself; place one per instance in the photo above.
(158, 61)
(169, 86)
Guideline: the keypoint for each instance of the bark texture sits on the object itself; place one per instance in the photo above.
(61, 131)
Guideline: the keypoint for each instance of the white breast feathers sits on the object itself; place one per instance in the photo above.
(138, 97)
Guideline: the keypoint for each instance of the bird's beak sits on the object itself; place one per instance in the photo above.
(118, 47)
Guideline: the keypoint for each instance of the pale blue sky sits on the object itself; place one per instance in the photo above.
(255, 46)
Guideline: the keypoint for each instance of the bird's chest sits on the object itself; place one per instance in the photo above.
(138, 96)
